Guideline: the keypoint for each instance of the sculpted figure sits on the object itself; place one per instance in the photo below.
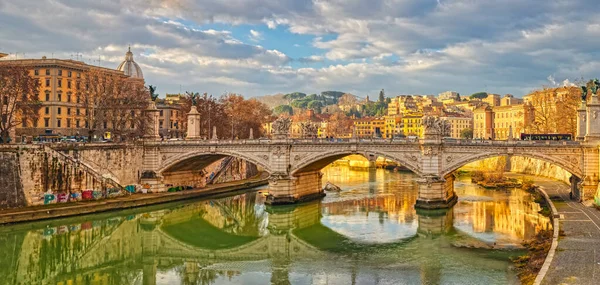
(309, 129)
(583, 93)
(282, 126)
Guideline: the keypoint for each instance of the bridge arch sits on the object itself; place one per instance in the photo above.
(195, 160)
(319, 161)
(568, 166)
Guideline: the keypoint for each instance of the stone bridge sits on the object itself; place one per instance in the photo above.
(294, 165)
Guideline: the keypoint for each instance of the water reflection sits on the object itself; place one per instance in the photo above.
(369, 233)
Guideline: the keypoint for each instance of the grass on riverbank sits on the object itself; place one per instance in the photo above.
(529, 265)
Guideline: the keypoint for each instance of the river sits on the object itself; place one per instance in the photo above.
(369, 233)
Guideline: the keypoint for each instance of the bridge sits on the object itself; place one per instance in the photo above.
(294, 165)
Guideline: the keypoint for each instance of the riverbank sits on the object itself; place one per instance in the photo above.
(44, 212)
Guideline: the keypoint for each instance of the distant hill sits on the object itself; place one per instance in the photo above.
(272, 100)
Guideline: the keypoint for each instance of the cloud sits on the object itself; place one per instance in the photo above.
(404, 46)
(256, 36)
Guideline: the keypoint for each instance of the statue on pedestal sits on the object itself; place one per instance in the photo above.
(583, 93)
(436, 126)
(281, 127)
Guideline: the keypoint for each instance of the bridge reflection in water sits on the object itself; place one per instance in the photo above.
(369, 232)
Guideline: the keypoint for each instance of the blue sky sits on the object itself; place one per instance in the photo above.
(261, 47)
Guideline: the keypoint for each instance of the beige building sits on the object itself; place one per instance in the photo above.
(402, 104)
(498, 122)
(449, 95)
(492, 99)
(509, 99)
(458, 124)
(62, 112)
(171, 119)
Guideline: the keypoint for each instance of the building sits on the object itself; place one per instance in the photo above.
(413, 124)
(483, 123)
(509, 99)
(62, 112)
(171, 117)
(449, 95)
(370, 127)
(498, 122)
(458, 123)
(391, 126)
(402, 104)
(492, 99)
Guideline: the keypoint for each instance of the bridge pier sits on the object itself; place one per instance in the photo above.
(300, 187)
(436, 192)
(435, 222)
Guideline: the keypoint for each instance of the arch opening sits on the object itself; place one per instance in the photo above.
(536, 165)
(195, 170)
(371, 160)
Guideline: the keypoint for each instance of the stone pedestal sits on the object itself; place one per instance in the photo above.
(581, 122)
(193, 125)
(301, 187)
(153, 128)
(436, 192)
(592, 132)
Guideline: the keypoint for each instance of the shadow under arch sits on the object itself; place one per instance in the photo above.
(200, 160)
(319, 162)
(477, 157)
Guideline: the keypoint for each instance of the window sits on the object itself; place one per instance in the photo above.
(78, 112)
(69, 84)
(46, 122)
(36, 72)
(161, 113)
(160, 124)
(68, 111)
(69, 98)
(69, 74)
(59, 97)
(132, 125)
(68, 123)
(5, 100)
(24, 123)
(47, 71)
(47, 110)
(78, 75)
(47, 82)
(35, 123)
(77, 123)
(59, 81)
(78, 99)
(47, 96)
(60, 72)
(58, 121)
(87, 123)
(105, 125)
(58, 110)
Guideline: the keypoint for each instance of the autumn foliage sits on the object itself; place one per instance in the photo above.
(19, 99)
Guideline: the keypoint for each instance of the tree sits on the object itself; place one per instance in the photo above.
(19, 99)
(339, 125)
(315, 105)
(284, 109)
(479, 95)
(113, 103)
(555, 110)
(293, 96)
(381, 96)
(466, 133)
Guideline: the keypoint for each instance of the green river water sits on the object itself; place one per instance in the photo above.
(369, 233)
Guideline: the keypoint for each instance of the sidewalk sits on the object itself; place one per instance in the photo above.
(577, 257)
(125, 202)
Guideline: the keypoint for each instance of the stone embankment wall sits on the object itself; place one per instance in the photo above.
(11, 188)
(521, 164)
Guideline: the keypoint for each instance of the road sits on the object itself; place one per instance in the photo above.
(577, 257)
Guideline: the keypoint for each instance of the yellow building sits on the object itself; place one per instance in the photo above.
(497, 122)
(62, 112)
(402, 104)
(413, 124)
(517, 117)
(370, 127)
(458, 124)
(391, 126)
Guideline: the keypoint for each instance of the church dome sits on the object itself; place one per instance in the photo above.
(129, 67)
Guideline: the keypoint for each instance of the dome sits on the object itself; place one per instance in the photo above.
(129, 67)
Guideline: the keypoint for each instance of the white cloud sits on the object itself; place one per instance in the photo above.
(256, 36)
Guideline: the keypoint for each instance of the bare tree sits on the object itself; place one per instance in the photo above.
(19, 99)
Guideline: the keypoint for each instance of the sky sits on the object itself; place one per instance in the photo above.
(262, 47)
